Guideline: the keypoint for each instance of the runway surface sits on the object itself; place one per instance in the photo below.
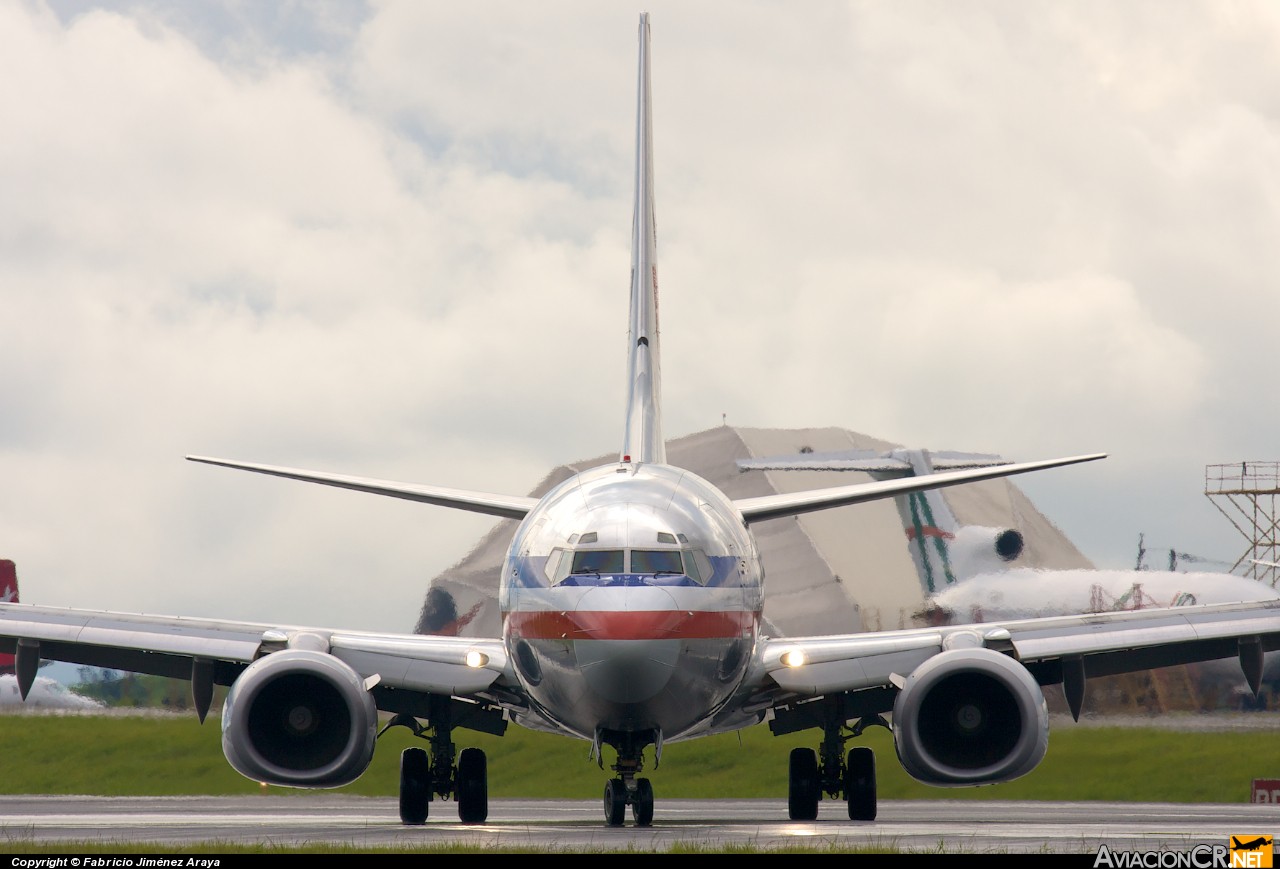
(556, 826)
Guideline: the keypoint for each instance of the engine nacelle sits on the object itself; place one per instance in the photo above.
(977, 549)
(968, 717)
(299, 718)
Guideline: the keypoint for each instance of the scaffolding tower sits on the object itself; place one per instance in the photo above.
(1246, 493)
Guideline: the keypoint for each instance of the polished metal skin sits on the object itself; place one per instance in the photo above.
(628, 647)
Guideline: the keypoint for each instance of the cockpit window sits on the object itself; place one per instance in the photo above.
(705, 569)
(557, 567)
(691, 568)
(597, 561)
(656, 561)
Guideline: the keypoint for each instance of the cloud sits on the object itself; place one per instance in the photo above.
(392, 239)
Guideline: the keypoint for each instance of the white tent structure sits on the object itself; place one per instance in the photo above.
(831, 571)
(834, 571)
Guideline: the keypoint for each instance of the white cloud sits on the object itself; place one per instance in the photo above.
(392, 240)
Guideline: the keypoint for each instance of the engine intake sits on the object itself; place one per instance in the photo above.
(978, 549)
(969, 717)
(299, 718)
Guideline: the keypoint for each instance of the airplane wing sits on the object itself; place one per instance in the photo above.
(794, 503)
(404, 668)
(1057, 650)
(506, 506)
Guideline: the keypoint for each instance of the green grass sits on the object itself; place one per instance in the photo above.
(175, 755)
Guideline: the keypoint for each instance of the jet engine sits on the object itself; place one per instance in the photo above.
(299, 718)
(976, 549)
(970, 716)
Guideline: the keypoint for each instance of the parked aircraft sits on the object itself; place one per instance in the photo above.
(974, 573)
(631, 597)
(45, 693)
(8, 594)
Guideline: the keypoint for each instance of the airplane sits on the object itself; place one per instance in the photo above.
(631, 597)
(44, 693)
(972, 572)
(8, 594)
(1251, 845)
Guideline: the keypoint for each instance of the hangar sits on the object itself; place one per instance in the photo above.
(831, 571)
(827, 572)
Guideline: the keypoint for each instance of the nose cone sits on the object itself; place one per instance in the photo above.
(632, 655)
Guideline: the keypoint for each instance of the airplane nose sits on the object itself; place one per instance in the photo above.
(635, 660)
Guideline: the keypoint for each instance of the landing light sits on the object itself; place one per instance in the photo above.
(793, 658)
(476, 659)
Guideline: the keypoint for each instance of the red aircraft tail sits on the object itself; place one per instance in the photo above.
(8, 594)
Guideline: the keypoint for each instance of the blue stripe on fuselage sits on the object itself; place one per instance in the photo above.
(531, 573)
(628, 579)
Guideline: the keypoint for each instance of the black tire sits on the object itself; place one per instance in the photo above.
(804, 788)
(615, 802)
(473, 786)
(642, 805)
(415, 786)
(860, 784)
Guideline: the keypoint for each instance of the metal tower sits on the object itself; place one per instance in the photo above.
(1246, 492)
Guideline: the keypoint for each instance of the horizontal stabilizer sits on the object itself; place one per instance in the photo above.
(506, 506)
(795, 503)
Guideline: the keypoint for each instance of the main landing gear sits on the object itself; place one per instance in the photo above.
(420, 779)
(851, 776)
(626, 789)
(428, 773)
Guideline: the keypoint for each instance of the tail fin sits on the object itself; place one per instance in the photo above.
(943, 551)
(643, 438)
(8, 594)
(929, 524)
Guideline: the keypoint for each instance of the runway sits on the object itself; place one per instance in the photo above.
(558, 826)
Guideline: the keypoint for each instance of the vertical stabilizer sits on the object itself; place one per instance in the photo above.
(944, 551)
(643, 438)
(930, 526)
(8, 594)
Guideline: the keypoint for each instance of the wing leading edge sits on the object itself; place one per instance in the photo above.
(1062, 650)
(180, 647)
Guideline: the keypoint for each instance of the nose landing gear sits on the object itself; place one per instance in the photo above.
(627, 789)
(619, 793)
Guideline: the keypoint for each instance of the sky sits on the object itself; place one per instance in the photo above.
(392, 239)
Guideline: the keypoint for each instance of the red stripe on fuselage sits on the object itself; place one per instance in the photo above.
(630, 625)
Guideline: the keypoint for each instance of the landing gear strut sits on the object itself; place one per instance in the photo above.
(428, 773)
(851, 776)
(626, 789)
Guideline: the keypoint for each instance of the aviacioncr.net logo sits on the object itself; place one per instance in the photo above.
(1247, 852)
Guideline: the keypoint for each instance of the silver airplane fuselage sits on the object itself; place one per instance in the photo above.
(631, 601)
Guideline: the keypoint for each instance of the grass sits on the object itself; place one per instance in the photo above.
(175, 755)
